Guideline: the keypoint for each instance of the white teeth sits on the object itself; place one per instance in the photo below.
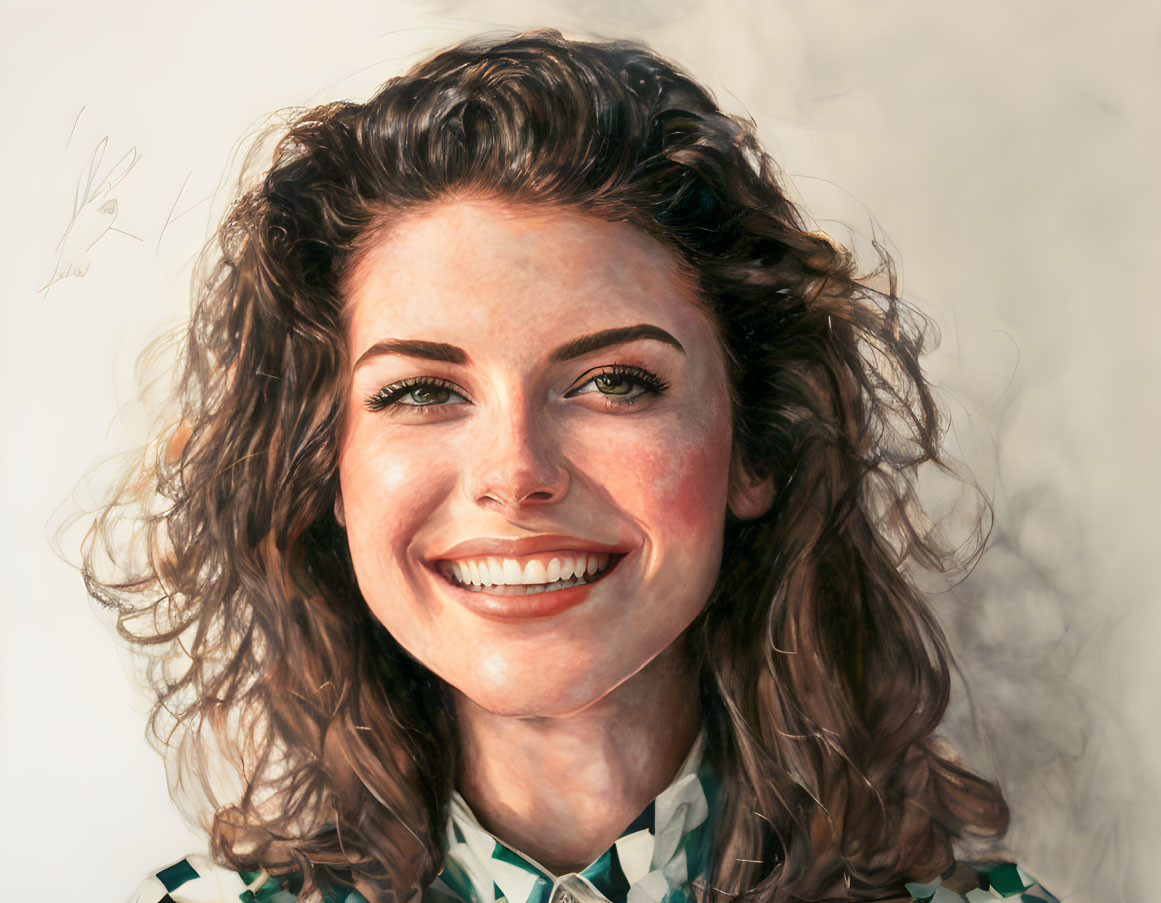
(512, 572)
(534, 572)
(495, 572)
(535, 576)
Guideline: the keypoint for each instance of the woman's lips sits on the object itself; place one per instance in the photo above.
(536, 585)
(523, 546)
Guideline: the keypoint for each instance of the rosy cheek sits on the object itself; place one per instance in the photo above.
(678, 484)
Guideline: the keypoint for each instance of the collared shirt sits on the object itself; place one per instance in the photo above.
(662, 857)
(655, 860)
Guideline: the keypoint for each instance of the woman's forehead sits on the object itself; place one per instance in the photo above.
(464, 267)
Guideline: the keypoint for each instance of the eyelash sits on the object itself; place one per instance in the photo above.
(650, 382)
(391, 395)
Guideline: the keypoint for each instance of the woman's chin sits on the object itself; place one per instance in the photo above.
(572, 680)
(544, 698)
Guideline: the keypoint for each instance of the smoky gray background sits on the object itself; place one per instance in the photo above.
(1006, 152)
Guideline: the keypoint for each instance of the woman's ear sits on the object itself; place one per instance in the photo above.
(340, 514)
(749, 496)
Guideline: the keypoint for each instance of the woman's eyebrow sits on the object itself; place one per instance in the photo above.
(432, 351)
(452, 354)
(607, 337)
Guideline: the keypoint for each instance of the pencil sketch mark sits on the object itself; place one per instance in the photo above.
(94, 213)
(171, 218)
(73, 130)
(398, 31)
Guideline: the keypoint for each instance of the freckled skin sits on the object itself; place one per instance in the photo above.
(515, 457)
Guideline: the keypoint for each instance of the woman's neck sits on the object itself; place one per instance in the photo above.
(561, 790)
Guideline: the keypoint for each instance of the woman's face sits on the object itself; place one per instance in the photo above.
(536, 451)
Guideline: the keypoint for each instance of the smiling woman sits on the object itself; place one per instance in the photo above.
(537, 523)
(581, 410)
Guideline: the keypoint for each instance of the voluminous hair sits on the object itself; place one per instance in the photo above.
(824, 675)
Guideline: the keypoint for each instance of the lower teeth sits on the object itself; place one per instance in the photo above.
(528, 589)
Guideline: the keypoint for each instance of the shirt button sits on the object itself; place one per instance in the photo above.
(565, 897)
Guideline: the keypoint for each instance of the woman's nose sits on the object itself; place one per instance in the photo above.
(516, 462)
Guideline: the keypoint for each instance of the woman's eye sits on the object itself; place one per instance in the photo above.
(620, 384)
(416, 393)
(425, 395)
(612, 384)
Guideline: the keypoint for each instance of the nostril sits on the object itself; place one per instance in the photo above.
(518, 480)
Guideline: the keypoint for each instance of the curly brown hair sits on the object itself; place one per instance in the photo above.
(824, 675)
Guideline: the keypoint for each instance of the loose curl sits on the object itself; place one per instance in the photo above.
(824, 675)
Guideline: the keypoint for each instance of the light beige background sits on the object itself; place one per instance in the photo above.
(1008, 152)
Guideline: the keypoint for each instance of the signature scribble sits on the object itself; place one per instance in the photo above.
(94, 213)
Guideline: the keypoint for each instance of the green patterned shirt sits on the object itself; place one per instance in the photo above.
(661, 857)
(655, 860)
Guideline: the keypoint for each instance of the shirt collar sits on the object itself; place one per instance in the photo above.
(655, 860)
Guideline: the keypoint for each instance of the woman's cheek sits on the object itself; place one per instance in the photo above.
(671, 479)
(387, 491)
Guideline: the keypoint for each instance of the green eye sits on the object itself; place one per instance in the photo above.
(425, 395)
(613, 384)
(417, 392)
(621, 384)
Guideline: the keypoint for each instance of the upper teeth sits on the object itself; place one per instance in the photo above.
(540, 569)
